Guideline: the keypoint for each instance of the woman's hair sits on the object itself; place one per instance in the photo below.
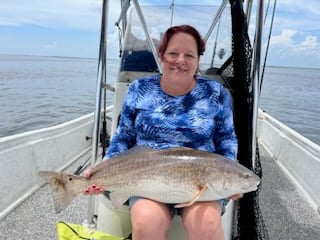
(181, 29)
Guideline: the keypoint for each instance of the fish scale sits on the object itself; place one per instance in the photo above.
(177, 175)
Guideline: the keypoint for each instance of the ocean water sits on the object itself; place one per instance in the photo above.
(291, 95)
(38, 92)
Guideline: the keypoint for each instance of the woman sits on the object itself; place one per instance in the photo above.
(177, 108)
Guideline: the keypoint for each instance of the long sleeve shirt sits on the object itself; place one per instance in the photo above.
(201, 119)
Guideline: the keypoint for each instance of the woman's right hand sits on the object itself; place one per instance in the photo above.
(93, 188)
(87, 173)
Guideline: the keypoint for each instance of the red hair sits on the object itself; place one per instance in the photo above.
(181, 29)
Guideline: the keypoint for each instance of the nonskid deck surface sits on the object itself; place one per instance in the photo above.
(286, 214)
(35, 218)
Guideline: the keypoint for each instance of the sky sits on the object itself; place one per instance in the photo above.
(72, 28)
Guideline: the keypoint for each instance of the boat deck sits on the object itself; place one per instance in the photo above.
(287, 215)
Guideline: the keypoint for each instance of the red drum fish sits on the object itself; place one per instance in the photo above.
(179, 176)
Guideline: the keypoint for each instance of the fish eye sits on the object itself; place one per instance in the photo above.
(70, 179)
(246, 175)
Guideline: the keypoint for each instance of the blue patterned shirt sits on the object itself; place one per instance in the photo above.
(201, 119)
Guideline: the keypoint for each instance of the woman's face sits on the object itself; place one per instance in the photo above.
(180, 60)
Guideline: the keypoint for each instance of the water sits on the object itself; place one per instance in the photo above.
(291, 95)
(39, 92)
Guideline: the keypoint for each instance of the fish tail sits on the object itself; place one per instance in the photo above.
(62, 188)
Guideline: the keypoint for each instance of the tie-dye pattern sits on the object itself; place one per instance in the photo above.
(201, 119)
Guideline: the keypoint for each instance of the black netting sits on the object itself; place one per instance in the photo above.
(248, 219)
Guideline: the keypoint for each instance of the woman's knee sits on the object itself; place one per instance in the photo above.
(149, 216)
(203, 218)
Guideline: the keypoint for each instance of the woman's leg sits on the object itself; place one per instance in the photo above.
(202, 220)
(150, 220)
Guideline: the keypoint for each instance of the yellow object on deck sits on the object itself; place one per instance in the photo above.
(71, 231)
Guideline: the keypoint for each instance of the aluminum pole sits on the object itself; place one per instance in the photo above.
(216, 19)
(256, 77)
(145, 29)
(101, 79)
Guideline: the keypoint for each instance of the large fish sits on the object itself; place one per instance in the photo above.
(179, 175)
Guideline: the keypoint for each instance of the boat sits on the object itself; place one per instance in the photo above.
(236, 57)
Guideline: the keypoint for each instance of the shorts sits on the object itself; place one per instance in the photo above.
(178, 211)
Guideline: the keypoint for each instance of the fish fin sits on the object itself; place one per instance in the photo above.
(62, 189)
(94, 171)
(118, 199)
(136, 149)
(202, 188)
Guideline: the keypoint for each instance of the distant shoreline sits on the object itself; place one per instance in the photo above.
(117, 59)
(65, 57)
(271, 66)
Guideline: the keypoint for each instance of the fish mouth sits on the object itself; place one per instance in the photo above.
(252, 187)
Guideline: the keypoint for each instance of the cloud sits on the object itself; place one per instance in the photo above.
(310, 42)
(284, 38)
(300, 6)
(295, 37)
(294, 48)
(75, 14)
(293, 42)
(297, 14)
(62, 24)
(56, 27)
(308, 47)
